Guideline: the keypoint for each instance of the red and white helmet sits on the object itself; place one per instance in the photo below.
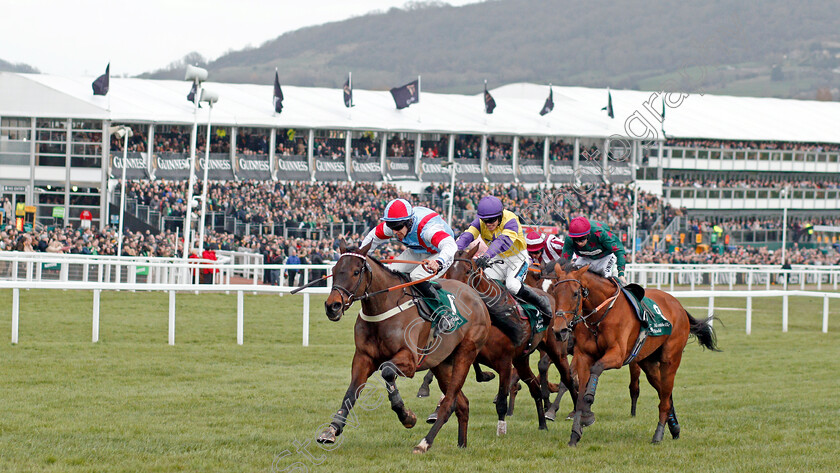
(398, 210)
(535, 241)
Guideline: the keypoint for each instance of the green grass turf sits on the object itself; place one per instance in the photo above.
(768, 402)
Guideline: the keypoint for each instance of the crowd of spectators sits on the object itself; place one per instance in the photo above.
(743, 255)
(751, 182)
(754, 145)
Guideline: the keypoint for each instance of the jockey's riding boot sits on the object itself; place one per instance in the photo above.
(427, 290)
(528, 295)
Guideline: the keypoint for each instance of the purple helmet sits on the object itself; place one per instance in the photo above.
(490, 206)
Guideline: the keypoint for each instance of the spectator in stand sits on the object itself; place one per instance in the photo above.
(293, 258)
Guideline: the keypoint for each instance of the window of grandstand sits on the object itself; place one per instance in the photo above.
(15, 140)
(499, 147)
(400, 145)
(291, 142)
(365, 144)
(51, 141)
(468, 147)
(86, 144)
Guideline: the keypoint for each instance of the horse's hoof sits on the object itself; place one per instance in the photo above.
(327, 436)
(485, 377)
(543, 427)
(410, 420)
(501, 429)
(571, 416)
(422, 447)
(675, 430)
(432, 418)
(551, 415)
(660, 432)
(573, 441)
(423, 391)
(587, 419)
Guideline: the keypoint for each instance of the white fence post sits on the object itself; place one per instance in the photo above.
(749, 315)
(15, 314)
(306, 319)
(785, 313)
(711, 308)
(171, 317)
(95, 328)
(240, 318)
(825, 314)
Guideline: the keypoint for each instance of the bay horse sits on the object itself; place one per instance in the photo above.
(536, 277)
(390, 335)
(500, 353)
(606, 328)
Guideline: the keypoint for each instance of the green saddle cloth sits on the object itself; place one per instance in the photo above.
(444, 314)
(534, 317)
(656, 323)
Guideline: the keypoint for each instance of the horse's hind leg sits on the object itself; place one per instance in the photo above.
(528, 377)
(513, 390)
(462, 412)
(501, 397)
(389, 375)
(424, 388)
(542, 368)
(635, 372)
(482, 376)
(673, 423)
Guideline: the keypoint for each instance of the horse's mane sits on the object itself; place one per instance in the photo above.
(565, 264)
(402, 276)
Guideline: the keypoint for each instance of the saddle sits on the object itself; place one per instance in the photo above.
(634, 294)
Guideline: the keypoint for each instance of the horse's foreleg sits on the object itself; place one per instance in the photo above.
(635, 372)
(555, 352)
(528, 377)
(542, 368)
(390, 370)
(363, 367)
(582, 364)
(612, 359)
(424, 388)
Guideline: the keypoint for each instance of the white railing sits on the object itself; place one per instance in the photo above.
(109, 273)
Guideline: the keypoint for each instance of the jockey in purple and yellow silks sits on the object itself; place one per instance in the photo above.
(427, 238)
(501, 231)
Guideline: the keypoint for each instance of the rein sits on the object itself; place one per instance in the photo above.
(577, 313)
(351, 294)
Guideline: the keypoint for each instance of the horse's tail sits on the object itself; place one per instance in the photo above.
(703, 330)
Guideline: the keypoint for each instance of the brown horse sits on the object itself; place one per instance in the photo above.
(606, 328)
(390, 335)
(535, 278)
(500, 352)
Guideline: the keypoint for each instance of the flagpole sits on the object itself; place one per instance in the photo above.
(350, 84)
(274, 107)
(193, 137)
(418, 98)
(204, 188)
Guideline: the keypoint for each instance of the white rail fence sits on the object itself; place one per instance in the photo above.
(109, 273)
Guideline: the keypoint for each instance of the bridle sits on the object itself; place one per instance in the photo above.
(577, 314)
(351, 294)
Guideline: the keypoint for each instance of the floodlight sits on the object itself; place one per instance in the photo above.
(209, 96)
(195, 74)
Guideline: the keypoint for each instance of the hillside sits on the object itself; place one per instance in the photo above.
(765, 48)
(6, 66)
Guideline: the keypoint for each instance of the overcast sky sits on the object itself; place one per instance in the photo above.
(79, 37)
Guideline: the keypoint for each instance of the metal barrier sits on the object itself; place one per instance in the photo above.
(19, 270)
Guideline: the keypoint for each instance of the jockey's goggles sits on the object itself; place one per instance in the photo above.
(489, 220)
(396, 226)
(580, 239)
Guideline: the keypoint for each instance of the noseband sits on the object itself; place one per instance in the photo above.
(351, 294)
(584, 293)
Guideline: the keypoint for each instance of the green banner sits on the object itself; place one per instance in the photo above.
(141, 271)
(51, 266)
(58, 212)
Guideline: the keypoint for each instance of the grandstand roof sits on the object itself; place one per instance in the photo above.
(577, 110)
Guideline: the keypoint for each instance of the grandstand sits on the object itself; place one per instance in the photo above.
(719, 160)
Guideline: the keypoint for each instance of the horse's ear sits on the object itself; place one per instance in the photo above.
(472, 251)
(364, 250)
(580, 272)
(342, 246)
(557, 269)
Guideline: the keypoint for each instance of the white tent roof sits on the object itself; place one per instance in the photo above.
(577, 110)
